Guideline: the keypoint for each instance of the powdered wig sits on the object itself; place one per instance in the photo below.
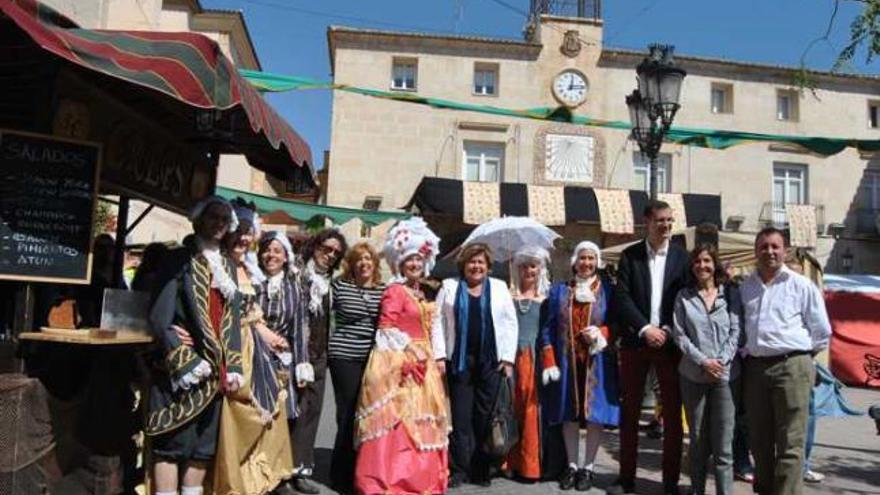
(409, 237)
(198, 210)
(537, 255)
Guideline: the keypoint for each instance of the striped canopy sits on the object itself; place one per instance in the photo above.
(188, 67)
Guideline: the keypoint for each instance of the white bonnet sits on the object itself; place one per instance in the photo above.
(592, 247)
(203, 204)
(281, 237)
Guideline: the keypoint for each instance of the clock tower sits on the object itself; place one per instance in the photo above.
(570, 35)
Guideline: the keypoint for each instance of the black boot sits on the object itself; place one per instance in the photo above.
(284, 489)
(583, 480)
(302, 485)
(566, 481)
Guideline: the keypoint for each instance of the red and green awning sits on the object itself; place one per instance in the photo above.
(188, 67)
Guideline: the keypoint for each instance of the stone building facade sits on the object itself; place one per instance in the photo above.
(381, 149)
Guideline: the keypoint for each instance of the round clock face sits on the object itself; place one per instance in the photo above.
(570, 87)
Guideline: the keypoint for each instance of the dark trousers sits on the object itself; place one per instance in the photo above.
(304, 429)
(472, 394)
(634, 367)
(742, 461)
(777, 392)
(346, 375)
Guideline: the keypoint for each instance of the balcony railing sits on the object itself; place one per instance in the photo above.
(774, 214)
(589, 9)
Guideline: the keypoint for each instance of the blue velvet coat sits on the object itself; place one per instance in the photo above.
(558, 398)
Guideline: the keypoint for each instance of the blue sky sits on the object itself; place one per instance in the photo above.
(291, 35)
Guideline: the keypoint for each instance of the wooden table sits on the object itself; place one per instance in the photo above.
(108, 354)
(85, 337)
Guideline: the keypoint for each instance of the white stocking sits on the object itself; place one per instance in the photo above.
(595, 433)
(191, 490)
(571, 434)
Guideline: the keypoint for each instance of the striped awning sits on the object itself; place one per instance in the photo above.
(188, 67)
(446, 197)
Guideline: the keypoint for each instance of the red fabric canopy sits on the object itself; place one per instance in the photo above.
(855, 341)
(188, 67)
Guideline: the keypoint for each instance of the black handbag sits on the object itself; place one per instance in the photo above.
(503, 431)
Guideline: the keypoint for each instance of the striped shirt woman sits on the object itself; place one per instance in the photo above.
(356, 309)
(356, 297)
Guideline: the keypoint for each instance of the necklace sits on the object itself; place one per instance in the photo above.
(524, 305)
(363, 292)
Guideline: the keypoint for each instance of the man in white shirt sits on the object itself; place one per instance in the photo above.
(650, 274)
(785, 325)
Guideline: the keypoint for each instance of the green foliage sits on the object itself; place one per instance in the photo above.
(803, 80)
(864, 31)
(103, 217)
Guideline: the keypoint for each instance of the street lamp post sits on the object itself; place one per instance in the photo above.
(653, 105)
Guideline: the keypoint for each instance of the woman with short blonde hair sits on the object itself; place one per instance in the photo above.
(356, 297)
(356, 253)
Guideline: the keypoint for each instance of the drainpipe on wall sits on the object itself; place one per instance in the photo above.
(515, 139)
(450, 136)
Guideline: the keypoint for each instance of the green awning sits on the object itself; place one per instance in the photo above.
(705, 138)
(305, 212)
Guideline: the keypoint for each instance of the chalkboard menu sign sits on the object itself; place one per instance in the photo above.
(48, 188)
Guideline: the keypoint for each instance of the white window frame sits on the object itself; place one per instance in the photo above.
(642, 172)
(794, 174)
(483, 152)
(726, 92)
(791, 107)
(481, 86)
(399, 64)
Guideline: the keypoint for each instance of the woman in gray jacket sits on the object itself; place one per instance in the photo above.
(706, 329)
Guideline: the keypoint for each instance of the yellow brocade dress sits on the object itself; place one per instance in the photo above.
(253, 449)
(401, 424)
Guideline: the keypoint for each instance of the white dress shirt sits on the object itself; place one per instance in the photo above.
(657, 267)
(785, 315)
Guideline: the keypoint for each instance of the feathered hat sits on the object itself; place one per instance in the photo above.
(408, 237)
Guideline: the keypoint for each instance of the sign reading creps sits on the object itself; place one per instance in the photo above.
(153, 168)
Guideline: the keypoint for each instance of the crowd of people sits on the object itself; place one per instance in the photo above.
(248, 330)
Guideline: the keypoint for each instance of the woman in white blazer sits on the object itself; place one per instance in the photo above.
(474, 338)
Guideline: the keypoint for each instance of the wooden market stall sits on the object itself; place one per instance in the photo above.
(85, 113)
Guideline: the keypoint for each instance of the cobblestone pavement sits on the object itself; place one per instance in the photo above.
(847, 451)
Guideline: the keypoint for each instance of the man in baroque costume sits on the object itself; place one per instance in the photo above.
(201, 296)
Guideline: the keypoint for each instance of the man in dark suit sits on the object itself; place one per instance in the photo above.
(649, 277)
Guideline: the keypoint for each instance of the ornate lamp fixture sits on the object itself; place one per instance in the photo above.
(653, 105)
